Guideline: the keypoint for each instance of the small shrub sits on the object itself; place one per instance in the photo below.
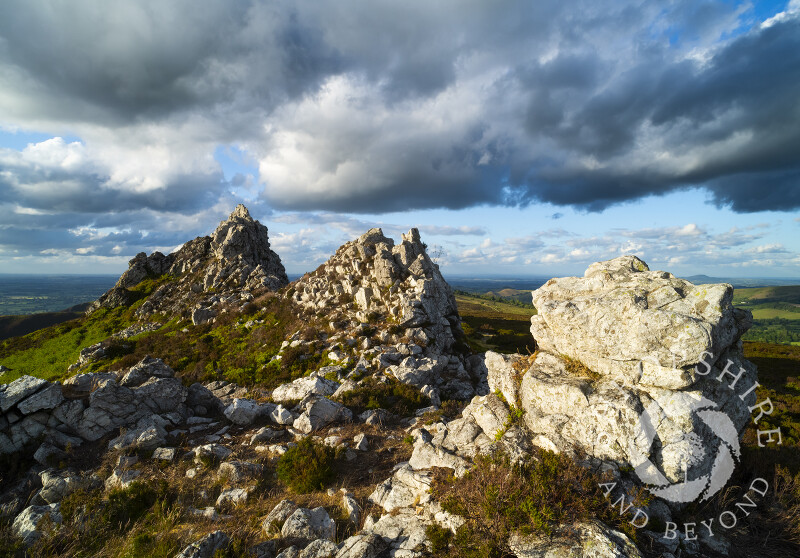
(439, 538)
(126, 505)
(393, 395)
(306, 467)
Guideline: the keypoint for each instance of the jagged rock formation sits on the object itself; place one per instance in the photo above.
(232, 263)
(398, 293)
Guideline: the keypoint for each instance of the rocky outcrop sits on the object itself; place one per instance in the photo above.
(638, 367)
(635, 326)
(394, 300)
(232, 263)
(145, 399)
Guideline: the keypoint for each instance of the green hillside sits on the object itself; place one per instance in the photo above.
(495, 325)
(776, 313)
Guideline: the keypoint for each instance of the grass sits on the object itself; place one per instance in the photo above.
(771, 312)
(48, 353)
(498, 499)
(496, 326)
(744, 296)
(477, 303)
(227, 350)
(779, 374)
(776, 313)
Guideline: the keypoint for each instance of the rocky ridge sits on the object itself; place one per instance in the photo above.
(230, 265)
(395, 302)
(619, 341)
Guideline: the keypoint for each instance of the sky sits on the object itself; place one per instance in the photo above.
(521, 138)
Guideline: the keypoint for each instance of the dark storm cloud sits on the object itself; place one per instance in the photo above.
(379, 107)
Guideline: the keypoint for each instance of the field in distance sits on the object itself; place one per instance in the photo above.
(776, 313)
(491, 323)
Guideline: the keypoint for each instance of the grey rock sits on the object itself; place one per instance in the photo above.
(148, 435)
(199, 396)
(276, 518)
(503, 376)
(47, 454)
(161, 395)
(165, 454)
(239, 471)
(309, 525)
(489, 413)
(201, 315)
(58, 485)
(124, 461)
(243, 411)
(404, 531)
(145, 369)
(70, 412)
(303, 387)
(433, 394)
(121, 478)
(405, 488)
(584, 539)
(233, 497)
(26, 524)
(362, 545)
(320, 548)
(621, 314)
(360, 442)
(291, 552)
(206, 546)
(235, 259)
(18, 390)
(426, 455)
(45, 399)
(351, 507)
(265, 434)
(82, 385)
(320, 413)
(212, 452)
(281, 415)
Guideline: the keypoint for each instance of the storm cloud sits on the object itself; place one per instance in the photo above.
(378, 107)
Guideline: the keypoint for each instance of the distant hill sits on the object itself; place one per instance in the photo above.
(17, 326)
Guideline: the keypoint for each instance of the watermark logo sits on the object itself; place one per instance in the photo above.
(687, 451)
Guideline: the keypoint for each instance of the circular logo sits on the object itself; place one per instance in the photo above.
(695, 448)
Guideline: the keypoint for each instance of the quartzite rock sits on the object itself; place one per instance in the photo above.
(18, 390)
(46, 399)
(636, 326)
(309, 525)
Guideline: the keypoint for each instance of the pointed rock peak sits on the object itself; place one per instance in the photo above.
(240, 213)
(235, 260)
(374, 236)
(412, 236)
